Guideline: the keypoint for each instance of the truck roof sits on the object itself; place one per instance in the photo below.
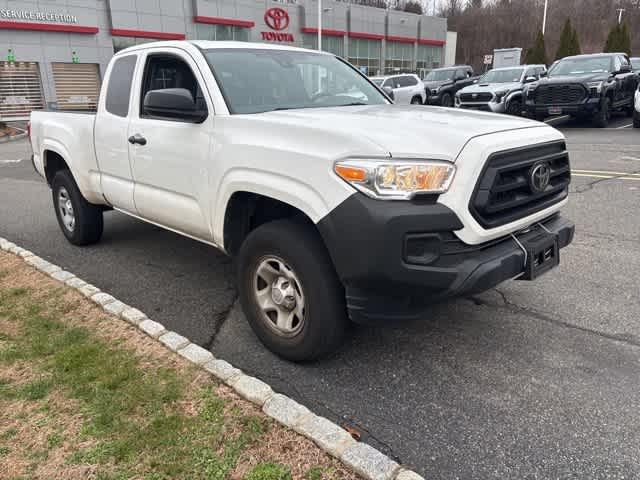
(585, 55)
(208, 44)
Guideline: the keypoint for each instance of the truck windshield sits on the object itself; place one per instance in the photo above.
(439, 75)
(262, 80)
(577, 66)
(502, 76)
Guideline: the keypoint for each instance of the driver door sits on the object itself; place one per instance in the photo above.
(172, 166)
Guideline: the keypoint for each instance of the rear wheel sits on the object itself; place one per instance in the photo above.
(80, 221)
(290, 292)
(416, 100)
(447, 100)
(601, 120)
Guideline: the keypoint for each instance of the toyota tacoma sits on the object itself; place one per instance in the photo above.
(336, 204)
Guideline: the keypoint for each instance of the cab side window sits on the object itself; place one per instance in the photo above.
(168, 71)
(616, 63)
(411, 81)
(119, 88)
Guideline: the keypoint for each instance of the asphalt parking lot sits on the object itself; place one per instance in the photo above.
(529, 380)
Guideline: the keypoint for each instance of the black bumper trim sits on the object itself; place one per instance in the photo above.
(367, 240)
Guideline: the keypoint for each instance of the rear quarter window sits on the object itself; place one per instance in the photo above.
(119, 86)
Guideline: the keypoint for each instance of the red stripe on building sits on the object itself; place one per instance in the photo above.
(426, 41)
(366, 36)
(47, 27)
(325, 31)
(223, 21)
(121, 32)
(401, 39)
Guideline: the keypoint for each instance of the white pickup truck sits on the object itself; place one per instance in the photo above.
(337, 204)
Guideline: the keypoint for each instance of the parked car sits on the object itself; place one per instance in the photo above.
(334, 209)
(636, 110)
(585, 86)
(500, 90)
(406, 88)
(635, 64)
(441, 84)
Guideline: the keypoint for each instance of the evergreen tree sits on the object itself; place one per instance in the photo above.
(575, 43)
(566, 40)
(537, 53)
(613, 39)
(625, 39)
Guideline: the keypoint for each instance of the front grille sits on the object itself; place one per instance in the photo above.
(504, 193)
(476, 97)
(559, 94)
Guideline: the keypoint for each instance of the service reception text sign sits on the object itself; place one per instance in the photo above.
(6, 14)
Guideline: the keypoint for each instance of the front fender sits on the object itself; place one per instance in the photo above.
(303, 196)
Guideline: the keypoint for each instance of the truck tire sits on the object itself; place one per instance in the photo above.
(290, 292)
(80, 221)
(416, 100)
(601, 119)
(447, 100)
(514, 107)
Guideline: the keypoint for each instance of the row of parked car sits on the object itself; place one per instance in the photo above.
(587, 87)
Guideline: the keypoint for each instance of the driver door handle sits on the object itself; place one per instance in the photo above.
(137, 139)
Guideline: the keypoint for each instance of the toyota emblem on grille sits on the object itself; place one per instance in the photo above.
(539, 177)
(276, 18)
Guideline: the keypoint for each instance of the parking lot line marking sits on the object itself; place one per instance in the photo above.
(605, 172)
(630, 158)
(593, 175)
(624, 126)
(11, 161)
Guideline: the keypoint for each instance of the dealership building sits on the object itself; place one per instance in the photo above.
(56, 52)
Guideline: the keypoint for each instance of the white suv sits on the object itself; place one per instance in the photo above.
(636, 110)
(406, 87)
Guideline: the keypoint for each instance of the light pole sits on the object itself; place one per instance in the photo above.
(544, 17)
(320, 25)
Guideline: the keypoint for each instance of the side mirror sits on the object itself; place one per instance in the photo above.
(389, 91)
(543, 74)
(173, 103)
(530, 79)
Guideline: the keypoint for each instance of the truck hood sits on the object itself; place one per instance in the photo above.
(398, 130)
(437, 83)
(491, 87)
(564, 79)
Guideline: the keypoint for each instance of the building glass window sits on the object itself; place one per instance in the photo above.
(221, 32)
(120, 43)
(399, 58)
(331, 44)
(365, 55)
(429, 57)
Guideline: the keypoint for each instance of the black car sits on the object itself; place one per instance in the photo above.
(442, 84)
(585, 86)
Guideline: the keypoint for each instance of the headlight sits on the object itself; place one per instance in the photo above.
(500, 95)
(396, 180)
(595, 87)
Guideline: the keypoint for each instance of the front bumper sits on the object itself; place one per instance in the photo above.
(433, 99)
(396, 258)
(485, 106)
(587, 107)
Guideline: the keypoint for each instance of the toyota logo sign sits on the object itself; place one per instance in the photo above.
(539, 177)
(276, 18)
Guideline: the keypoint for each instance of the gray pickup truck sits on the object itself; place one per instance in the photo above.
(500, 90)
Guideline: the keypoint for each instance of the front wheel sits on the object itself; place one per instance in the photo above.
(416, 101)
(601, 120)
(447, 100)
(80, 221)
(514, 108)
(290, 292)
